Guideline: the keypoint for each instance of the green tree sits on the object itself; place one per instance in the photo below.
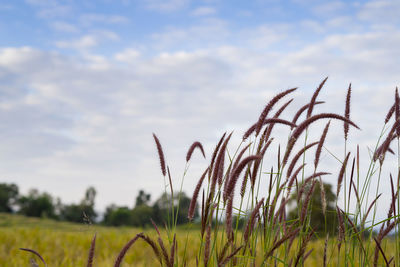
(142, 199)
(37, 204)
(117, 216)
(318, 222)
(82, 212)
(142, 213)
(162, 208)
(8, 197)
(141, 216)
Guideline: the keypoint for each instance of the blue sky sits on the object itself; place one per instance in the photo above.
(83, 84)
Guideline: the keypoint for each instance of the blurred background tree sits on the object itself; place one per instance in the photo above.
(37, 204)
(8, 197)
(82, 212)
(318, 222)
(163, 205)
(142, 199)
(118, 216)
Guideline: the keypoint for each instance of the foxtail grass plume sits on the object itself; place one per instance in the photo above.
(257, 163)
(380, 152)
(192, 148)
(296, 158)
(302, 109)
(268, 108)
(153, 246)
(314, 98)
(236, 173)
(369, 209)
(163, 250)
(160, 154)
(342, 173)
(341, 230)
(252, 220)
(230, 256)
(193, 202)
(301, 127)
(397, 110)
(268, 130)
(91, 252)
(320, 145)
(305, 208)
(207, 246)
(36, 254)
(323, 196)
(347, 112)
(214, 155)
(218, 166)
(123, 251)
(390, 113)
(172, 253)
(228, 218)
(240, 155)
(270, 121)
(293, 178)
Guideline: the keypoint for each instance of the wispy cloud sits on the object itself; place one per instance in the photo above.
(204, 11)
(94, 19)
(384, 11)
(64, 27)
(84, 42)
(50, 8)
(87, 41)
(165, 5)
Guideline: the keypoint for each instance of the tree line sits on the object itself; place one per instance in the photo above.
(44, 205)
(36, 204)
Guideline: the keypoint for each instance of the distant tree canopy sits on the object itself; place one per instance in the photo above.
(162, 208)
(142, 199)
(118, 216)
(318, 222)
(37, 204)
(82, 212)
(142, 214)
(8, 197)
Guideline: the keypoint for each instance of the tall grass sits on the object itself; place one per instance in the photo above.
(269, 238)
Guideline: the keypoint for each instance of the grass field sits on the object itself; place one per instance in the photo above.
(67, 244)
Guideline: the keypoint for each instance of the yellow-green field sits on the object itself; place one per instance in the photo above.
(67, 244)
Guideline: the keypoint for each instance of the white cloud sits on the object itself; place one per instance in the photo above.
(165, 5)
(330, 8)
(382, 11)
(128, 55)
(64, 27)
(94, 19)
(88, 41)
(204, 11)
(50, 8)
(209, 32)
(84, 42)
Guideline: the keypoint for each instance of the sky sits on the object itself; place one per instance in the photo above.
(84, 84)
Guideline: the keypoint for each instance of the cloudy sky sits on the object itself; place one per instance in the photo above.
(83, 84)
